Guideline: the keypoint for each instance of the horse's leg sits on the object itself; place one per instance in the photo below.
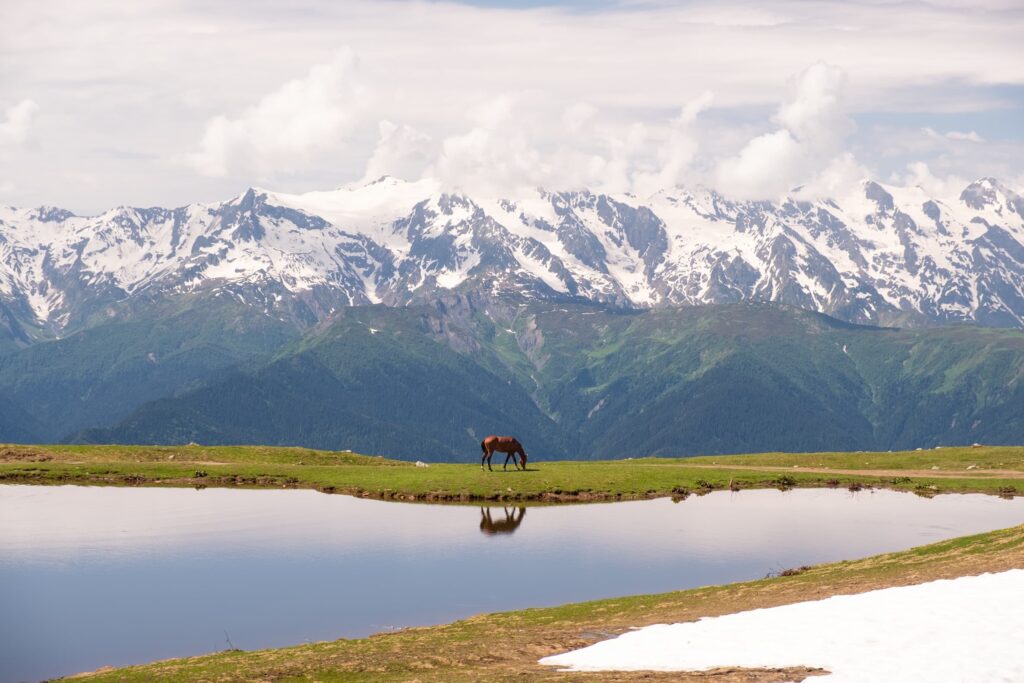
(507, 456)
(489, 455)
(482, 458)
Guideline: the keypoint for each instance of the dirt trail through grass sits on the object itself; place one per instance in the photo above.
(1002, 474)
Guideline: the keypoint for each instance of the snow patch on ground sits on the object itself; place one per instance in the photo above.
(966, 629)
(451, 278)
(539, 269)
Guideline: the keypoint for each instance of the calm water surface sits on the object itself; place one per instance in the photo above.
(97, 576)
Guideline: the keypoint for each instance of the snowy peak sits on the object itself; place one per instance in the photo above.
(878, 194)
(876, 253)
(247, 217)
(51, 214)
(990, 194)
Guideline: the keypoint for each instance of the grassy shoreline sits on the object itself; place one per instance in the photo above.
(990, 470)
(506, 646)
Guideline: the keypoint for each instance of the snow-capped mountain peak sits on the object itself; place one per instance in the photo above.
(873, 254)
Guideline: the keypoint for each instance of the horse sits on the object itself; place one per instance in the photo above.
(502, 526)
(503, 444)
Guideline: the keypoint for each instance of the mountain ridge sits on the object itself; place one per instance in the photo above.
(582, 381)
(878, 254)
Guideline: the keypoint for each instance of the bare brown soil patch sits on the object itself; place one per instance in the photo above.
(23, 454)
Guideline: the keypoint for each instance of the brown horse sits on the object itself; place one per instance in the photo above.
(503, 444)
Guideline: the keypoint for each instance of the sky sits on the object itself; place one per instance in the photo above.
(169, 102)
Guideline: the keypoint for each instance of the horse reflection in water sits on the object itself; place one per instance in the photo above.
(491, 527)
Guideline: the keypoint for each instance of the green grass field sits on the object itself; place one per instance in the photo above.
(993, 470)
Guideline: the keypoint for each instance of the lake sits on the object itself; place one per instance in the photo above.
(93, 576)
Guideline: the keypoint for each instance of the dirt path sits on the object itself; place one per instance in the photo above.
(957, 474)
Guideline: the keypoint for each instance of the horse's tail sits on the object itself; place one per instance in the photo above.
(483, 447)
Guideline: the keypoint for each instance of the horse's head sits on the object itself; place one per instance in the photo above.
(522, 460)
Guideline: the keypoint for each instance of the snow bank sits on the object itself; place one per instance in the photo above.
(967, 629)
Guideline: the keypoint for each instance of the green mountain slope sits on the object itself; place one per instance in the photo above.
(756, 377)
(386, 389)
(97, 376)
(17, 426)
(583, 382)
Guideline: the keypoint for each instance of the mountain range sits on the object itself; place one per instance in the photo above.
(876, 254)
(396, 318)
(583, 381)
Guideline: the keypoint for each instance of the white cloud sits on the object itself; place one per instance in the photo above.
(813, 126)
(16, 124)
(840, 176)
(508, 148)
(688, 114)
(815, 113)
(767, 166)
(969, 136)
(6, 187)
(401, 151)
(495, 156)
(287, 126)
(920, 175)
(575, 117)
(203, 85)
(955, 135)
(676, 155)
